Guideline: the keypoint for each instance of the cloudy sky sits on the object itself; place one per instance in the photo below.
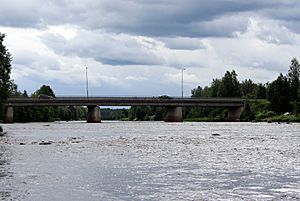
(139, 47)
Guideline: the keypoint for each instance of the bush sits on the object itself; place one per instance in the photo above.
(264, 115)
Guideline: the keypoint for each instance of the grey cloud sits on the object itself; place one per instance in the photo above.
(181, 43)
(190, 18)
(16, 13)
(105, 48)
(37, 61)
(287, 10)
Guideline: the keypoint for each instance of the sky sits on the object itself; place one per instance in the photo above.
(143, 47)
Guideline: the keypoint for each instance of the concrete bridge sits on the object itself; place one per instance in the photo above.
(174, 105)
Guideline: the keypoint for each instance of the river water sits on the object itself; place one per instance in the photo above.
(150, 161)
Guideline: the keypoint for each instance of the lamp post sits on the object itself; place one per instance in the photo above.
(87, 81)
(182, 82)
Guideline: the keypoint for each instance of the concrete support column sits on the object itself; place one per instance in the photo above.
(9, 116)
(234, 113)
(174, 114)
(94, 115)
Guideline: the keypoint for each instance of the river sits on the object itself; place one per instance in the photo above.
(149, 161)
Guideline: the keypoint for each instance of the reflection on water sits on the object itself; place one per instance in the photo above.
(150, 161)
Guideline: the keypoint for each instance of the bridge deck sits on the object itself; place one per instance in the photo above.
(126, 101)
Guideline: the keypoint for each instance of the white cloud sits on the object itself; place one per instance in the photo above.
(187, 78)
(136, 78)
(67, 31)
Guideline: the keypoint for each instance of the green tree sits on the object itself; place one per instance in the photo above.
(197, 92)
(46, 113)
(137, 113)
(44, 90)
(230, 85)
(261, 92)
(278, 94)
(248, 88)
(293, 78)
(5, 70)
(248, 114)
(216, 88)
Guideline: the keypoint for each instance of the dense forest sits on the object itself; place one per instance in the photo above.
(278, 100)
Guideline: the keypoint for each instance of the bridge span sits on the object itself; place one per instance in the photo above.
(174, 105)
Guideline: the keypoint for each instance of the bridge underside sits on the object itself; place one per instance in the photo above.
(174, 114)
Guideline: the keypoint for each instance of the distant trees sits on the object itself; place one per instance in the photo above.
(112, 114)
(278, 94)
(5, 70)
(230, 86)
(147, 113)
(248, 89)
(261, 91)
(71, 113)
(47, 113)
(293, 77)
(283, 94)
(44, 90)
(285, 90)
(227, 86)
(36, 114)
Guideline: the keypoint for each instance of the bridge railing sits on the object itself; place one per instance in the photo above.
(130, 97)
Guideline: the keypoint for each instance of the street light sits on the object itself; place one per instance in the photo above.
(182, 81)
(87, 81)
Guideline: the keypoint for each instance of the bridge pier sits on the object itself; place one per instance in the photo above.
(234, 113)
(9, 115)
(174, 114)
(94, 115)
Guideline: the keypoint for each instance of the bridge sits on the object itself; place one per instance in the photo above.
(174, 105)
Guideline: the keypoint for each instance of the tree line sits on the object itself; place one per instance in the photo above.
(279, 99)
(46, 113)
(56, 113)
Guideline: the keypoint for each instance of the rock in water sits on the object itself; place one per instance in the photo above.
(45, 143)
(215, 134)
(2, 133)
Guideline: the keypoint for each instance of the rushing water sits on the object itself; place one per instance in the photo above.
(150, 161)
